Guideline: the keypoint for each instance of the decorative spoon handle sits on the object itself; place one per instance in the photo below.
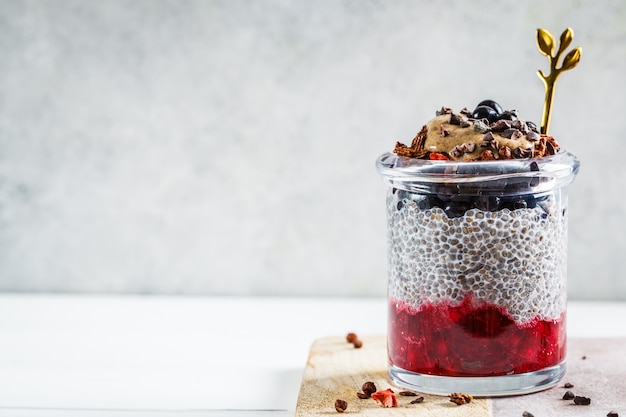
(546, 45)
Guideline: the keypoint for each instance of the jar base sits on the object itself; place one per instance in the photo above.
(496, 386)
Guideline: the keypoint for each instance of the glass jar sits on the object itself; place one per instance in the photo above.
(477, 258)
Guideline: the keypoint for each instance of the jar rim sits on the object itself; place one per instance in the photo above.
(499, 177)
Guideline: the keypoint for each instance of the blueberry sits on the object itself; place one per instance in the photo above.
(485, 112)
(520, 204)
(455, 209)
(487, 203)
(492, 104)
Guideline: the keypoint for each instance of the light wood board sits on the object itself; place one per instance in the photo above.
(336, 370)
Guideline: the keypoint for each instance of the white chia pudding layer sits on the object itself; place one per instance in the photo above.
(515, 259)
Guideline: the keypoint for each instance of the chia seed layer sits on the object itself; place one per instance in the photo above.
(514, 259)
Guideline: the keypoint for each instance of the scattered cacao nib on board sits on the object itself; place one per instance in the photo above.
(354, 339)
(459, 398)
(368, 388)
(527, 414)
(407, 394)
(417, 400)
(568, 385)
(340, 406)
(569, 395)
(612, 414)
(582, 400)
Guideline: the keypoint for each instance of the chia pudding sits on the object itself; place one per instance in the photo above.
(477, 252)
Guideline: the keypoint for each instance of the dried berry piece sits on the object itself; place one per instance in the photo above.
(582, 400)
(436, 156)
(569, 395)
(459, 398)
(340, 406)
(386, 398)
(568, 385)
(417, 400)
(407, 394)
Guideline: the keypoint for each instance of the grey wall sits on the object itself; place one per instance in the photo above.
(228, 147)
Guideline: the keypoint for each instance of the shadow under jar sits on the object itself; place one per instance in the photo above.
(477, 255)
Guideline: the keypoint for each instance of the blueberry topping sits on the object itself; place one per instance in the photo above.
(485, 112)
(492, 104)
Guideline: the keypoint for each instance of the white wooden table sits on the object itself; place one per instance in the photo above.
(80, 355)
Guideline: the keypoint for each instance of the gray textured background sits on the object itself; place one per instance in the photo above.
(228, 147)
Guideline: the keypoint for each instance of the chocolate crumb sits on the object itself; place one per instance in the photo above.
(480, 126)
(444, 132)
(584, 357)
(569, 395)
(340, 406)
(522, 153)
(568, 385)
(527, 414)
(582, 400)
(454, 119)
(465, 112)
(612, 414)
(407, 394)
(500, 125)
(417, 400)
(508, 133)
(532, 136)
(444, 110)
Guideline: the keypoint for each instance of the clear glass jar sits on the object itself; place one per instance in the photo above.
(477, 256)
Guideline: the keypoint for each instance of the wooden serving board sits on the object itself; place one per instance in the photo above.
(336, 370)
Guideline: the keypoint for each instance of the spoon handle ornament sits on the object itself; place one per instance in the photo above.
(546, 45)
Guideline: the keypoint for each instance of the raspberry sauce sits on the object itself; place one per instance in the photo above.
(471, 339)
